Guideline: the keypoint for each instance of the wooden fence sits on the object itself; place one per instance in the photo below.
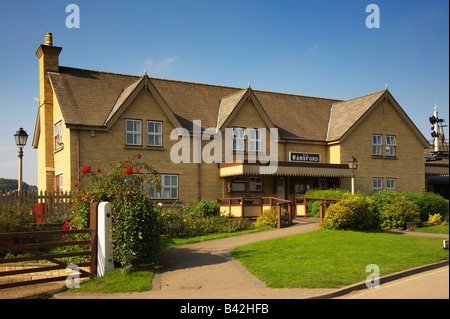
(36, 250)
(46, 207)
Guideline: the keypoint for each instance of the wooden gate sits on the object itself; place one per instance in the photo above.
(29, 243)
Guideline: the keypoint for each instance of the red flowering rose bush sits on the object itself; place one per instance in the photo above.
(135, 230)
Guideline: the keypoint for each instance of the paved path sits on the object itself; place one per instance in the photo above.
(206, 270)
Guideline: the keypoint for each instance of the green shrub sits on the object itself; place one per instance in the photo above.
(429, 203)
(207, 208)
(135, 232)
(196, 223)
(354, 214)
(314, 205)
(395, 214)
(269, 218)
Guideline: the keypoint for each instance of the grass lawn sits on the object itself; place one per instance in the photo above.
(116, 281)
(330, 259)
(435, 229)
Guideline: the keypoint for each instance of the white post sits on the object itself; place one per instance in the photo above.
(436, 130)
(105, 262)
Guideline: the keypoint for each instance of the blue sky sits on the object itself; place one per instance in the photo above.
(316, 48)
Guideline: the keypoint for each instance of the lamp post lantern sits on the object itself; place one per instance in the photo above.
(21, 140)
(353, 164)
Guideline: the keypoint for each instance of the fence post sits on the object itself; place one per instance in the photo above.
(94, 235)
(279, 215)
(105, 262)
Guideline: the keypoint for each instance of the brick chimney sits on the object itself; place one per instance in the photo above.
(48, 56)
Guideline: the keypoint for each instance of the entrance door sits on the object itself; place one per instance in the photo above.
(281, 188)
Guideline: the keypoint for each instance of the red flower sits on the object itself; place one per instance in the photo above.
(65, 227)
(120, 175)
(76, 185)
(137, 170)
(98, 170)
(139, 155)
(79, 198)
(86, 170)
(70, 202)
(87, 197)
(129, 171)
(67, 220)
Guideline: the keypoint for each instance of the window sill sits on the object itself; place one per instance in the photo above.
(384, 157)
(58, 149)
(140, 147)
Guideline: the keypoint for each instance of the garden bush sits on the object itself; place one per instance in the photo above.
(135, 231)
(314, 205)
(269, 217)
(395, 214)
(351, 214)
(434, 219)
(194, 222)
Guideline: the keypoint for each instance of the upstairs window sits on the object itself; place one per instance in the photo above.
(391, 145)
(58, 135)
(377, 145)
(133, 132)
(154, 133)
(255, 140)
(238, 139)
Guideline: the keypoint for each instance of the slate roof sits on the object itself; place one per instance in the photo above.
(91, 98)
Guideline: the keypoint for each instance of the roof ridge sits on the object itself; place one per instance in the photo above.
(359, 97)
(307, 96)
(206, 84)
(106, 72)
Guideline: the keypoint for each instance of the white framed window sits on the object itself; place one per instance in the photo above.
(377, 144)
(391, 145)
(168, 190)
(58, 135)
(255, 184)
(238, 139)
(133, 132)
(255, 139)
(154, 133)
(391, 184)
(377, 184)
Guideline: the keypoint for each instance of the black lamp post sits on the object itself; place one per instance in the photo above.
(21, 140)
(353, 164)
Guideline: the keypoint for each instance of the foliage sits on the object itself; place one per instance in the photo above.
(7, 184)
(211, 208)
(314, 205)
(434, 219)
(135, 232)
(353, 214)
(428, 203)
(395, 214)
(269, 217)
(197, 220)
